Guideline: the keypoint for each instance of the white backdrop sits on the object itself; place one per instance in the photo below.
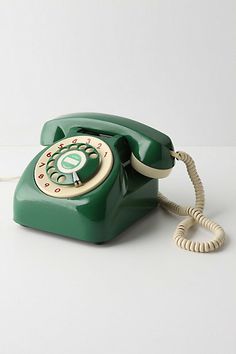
(169, 64)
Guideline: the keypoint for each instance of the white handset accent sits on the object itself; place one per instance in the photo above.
(147, 170)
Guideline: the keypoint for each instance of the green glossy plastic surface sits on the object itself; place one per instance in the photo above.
(98, 216)
(147, 144)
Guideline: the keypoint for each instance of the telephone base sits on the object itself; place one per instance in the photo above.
(97, 216)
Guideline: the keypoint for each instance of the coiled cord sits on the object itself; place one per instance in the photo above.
(194, 214)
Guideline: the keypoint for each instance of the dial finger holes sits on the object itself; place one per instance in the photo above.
(51, 163)
(93, 156)
(63, 149)
(89, 150)
(55, 155)
(73, 147)
(54, 176)
(82, 147)
(51, 170)
(61, 179)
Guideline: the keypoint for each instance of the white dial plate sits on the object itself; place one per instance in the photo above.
(53, 189)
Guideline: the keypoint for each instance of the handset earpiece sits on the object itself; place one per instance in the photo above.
(148, 171)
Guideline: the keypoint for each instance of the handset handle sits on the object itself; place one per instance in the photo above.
(150, 148)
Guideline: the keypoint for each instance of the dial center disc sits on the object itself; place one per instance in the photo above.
(71, 161)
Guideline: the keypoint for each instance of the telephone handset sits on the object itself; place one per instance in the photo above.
(99, 174)
(88, 155)
(149, 147)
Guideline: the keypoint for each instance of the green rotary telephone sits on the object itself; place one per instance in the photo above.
(98, 175)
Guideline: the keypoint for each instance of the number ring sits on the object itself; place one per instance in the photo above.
(47, 186)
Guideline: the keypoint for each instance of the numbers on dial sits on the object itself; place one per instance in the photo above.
(47, 164)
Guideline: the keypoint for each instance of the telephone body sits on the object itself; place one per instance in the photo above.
(97, 175)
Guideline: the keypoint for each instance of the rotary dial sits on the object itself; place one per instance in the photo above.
(73, 166)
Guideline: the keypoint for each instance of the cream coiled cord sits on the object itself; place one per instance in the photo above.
(194, 214)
